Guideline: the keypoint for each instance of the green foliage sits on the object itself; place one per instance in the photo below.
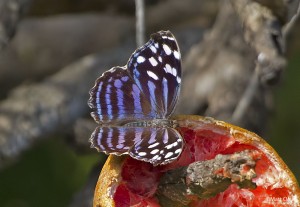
(47, 175)
(284, 133)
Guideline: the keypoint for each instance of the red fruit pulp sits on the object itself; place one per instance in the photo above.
(203, 141)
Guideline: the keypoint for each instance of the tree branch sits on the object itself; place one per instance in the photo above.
(10, 13)
(140, 22)
(38, 110)
(263, 31)
(217, 71)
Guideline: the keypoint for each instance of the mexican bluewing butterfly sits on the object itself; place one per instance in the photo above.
(133, 104)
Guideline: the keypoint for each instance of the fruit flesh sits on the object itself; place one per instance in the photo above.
(204, 139)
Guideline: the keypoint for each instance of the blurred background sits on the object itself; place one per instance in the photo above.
(51, 52)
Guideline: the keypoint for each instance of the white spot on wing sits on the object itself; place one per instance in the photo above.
(152, 75)
(169, 146)
(153, 145)
(153, 61)
(171, 38)
(155, 157)
(142, 153)
(174, 72)
(140, 59)
(159, 59)
(176, 55)
(155, 151)
(178, 79)
(177, 151)
(169, 154)
(167, 49)
(168, 69)
(153, 49)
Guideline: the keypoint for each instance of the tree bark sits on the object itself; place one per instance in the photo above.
(38, 110)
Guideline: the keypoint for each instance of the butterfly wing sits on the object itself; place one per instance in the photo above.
(115, 98)
(147, 88)
(154, 145)
(158, 146)
(156, 70)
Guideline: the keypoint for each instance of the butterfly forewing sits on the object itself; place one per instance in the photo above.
(116, 98)
(154, 145)
(156, 69)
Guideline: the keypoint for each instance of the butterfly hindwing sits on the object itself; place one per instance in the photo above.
(154, 145)
(158, 146)
(113, 140)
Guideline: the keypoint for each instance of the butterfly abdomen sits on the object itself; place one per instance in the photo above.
(152, 123)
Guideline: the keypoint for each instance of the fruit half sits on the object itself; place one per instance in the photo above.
(127, 182)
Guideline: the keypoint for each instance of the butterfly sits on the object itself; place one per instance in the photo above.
(133, 104)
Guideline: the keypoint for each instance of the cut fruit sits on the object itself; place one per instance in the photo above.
(127, 182)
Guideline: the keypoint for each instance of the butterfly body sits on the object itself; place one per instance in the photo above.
(133, 103)
(156, 123)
